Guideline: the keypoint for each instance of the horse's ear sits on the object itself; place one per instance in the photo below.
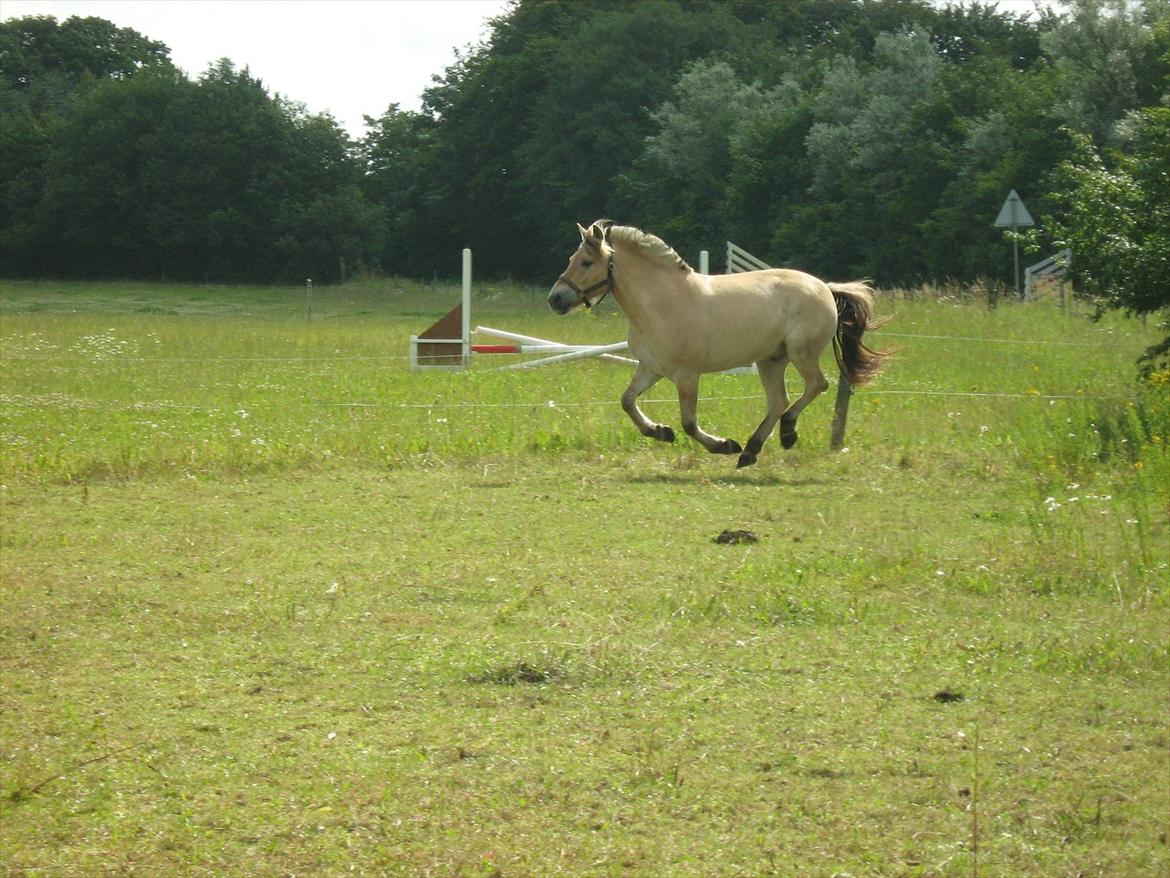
(591, 237)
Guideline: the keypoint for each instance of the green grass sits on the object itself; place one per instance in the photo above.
(430, 624)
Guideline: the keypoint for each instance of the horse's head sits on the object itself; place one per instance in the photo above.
(589, 276)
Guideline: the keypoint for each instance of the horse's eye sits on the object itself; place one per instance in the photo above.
(588, 263)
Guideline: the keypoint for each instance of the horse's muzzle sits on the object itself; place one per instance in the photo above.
(561, 300)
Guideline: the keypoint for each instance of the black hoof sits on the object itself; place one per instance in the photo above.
(745, 459)
(787, 440)
(728, 446)
(662, 433)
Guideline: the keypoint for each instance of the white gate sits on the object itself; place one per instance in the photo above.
(1047, 271)
(739, 259)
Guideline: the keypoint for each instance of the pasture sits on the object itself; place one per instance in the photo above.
(274, 605)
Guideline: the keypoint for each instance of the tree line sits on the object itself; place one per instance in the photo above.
(843, 137)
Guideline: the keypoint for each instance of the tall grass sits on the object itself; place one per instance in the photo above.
(274, 604)
(122, 380)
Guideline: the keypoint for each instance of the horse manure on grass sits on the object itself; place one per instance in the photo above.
(946, 696)
(515, 673)
(735, 537)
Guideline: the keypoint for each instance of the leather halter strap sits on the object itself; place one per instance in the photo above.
(606, 282)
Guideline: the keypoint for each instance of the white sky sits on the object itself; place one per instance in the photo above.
(346, 57)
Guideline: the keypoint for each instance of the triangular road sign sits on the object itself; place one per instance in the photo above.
(1013, 213)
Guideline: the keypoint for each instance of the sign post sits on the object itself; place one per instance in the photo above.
(1012, 215)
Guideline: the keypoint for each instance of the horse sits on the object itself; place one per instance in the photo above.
(683, 324)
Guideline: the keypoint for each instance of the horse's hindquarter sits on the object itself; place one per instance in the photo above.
(682, 325)
(744, 318)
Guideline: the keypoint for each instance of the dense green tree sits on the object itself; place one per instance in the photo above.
(1107, 57)
(684, 172)
(43, 64)
(593, 121)
(163, 177)
(141, 172)
(36, 50)
(846, 137)
(400, 178)
(874, 161)
(1001, 134)
(1114, 214)
(534, 131)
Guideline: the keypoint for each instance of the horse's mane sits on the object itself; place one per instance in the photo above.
(651, 245)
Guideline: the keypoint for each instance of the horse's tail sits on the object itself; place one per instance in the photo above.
(854, 316)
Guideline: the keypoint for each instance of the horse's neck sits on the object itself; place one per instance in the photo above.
(643, 288)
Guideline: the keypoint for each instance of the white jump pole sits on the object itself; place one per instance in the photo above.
(528, 339)
(572, 355)
(527, 343)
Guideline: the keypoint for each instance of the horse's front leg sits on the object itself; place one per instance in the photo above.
(644, 378)
(688, 401)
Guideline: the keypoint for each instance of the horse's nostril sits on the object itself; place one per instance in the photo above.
(558, 301)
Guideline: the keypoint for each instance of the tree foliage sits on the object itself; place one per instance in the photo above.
(844, 137)
(1115, 218)
(138, 171)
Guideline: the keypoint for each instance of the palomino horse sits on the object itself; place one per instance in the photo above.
(683, 324)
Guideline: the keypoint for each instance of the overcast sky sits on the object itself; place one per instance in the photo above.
(348, 57)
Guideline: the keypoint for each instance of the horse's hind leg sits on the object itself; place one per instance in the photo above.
(688, 401)
(644, 378)
(772, 376)
(815, 383)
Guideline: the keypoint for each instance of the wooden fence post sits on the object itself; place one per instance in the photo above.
(840, 412)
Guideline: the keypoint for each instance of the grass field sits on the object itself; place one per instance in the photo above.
(274, 605)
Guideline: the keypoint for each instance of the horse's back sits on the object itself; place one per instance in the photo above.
(756, 315)
(785, 296)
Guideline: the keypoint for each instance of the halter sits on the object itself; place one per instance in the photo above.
(584, 293)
